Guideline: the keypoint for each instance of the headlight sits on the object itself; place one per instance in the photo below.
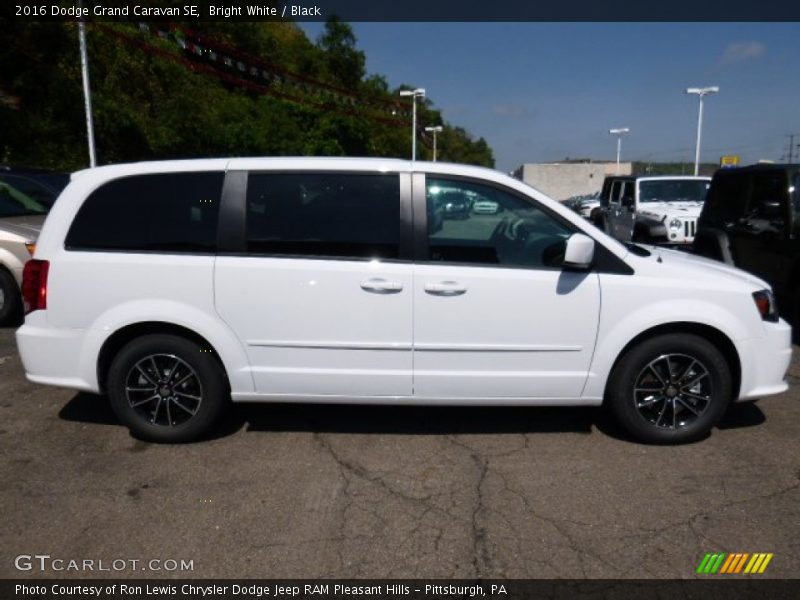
(765, 303)
(675, 224)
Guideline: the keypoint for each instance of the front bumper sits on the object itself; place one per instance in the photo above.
(764, 362)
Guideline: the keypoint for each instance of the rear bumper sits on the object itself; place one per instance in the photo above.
(53, 356)
(765, 361)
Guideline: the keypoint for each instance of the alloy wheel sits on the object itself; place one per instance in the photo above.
(163, 390)
(673, 391)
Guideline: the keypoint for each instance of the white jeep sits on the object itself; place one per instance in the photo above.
(652, 210)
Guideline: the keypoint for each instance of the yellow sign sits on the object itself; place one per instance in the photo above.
(729, 161)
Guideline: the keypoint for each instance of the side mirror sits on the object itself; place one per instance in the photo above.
(579, 252)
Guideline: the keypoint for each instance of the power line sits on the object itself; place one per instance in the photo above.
(214, 70)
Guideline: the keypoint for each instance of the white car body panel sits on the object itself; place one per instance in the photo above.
(493, 340)
(297, 329)
(332, 337)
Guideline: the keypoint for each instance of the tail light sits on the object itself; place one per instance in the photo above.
(34, 285)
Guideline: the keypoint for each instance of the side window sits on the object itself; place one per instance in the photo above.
(628, 193)
(168, 212)
(498, 228)
(615, 188)
(795, 190)
(727, 198)
(324, 215)
(768, 198)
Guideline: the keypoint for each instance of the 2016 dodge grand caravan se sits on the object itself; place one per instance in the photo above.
(174, 287)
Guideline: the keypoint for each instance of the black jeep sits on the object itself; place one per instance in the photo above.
(751, 219)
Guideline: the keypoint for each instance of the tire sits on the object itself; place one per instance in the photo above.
(10, 299)
(171, 412)
(681, 408)
(602, 225)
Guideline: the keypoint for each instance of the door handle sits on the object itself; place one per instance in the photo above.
(445, 288)
(377, 285)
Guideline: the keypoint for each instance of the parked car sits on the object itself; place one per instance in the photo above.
(39, 184)
(584, 205)
(652, 210)
(21, 219)
(175, 286)
(751, 220)
(485, 207)
(454, 204)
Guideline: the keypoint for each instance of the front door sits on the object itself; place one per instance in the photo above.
(320, 297)
(495, 315)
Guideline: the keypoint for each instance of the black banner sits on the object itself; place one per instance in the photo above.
(407, 10)
(408, 589)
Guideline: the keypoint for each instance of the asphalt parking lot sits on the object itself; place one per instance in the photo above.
(309, 491)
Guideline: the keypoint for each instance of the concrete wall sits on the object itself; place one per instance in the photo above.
(561, 181)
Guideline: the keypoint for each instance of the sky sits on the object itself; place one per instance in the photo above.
(541, 92)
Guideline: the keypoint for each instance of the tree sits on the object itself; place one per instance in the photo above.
(153, 100)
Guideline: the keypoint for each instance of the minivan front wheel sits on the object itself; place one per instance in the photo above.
(166, 388)
(671, 388)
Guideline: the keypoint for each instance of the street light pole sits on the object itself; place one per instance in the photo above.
(434, 130)
(619, 132)
(701, 93)
(417, 93)
(87, 93)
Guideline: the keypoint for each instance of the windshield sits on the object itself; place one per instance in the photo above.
(14, 203)
(673, 190)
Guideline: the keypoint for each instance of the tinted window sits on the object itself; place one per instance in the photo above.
(628, 192)
(15, 203)
(326, 215)
(500, 229)
(615, 188)
(33, 189)
(727, 198)
(172, 212)
(768, 198)
(673, 190)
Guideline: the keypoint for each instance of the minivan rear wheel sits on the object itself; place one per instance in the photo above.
(670, 389)
(166, 388)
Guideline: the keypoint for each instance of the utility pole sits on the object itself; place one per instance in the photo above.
(87, 92)
(792, 146)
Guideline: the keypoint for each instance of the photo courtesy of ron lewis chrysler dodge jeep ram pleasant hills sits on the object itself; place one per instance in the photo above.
(174, 287)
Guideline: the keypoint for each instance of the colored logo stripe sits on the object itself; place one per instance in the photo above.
(734, 563)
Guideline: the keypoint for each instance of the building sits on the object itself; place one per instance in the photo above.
(570, 178)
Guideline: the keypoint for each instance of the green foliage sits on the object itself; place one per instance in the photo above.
(152, 105)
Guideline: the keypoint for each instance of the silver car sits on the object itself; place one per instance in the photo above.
(21, 220)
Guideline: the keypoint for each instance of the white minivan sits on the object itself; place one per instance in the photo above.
(174, 287)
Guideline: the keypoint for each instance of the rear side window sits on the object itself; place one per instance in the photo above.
(324, 215)
(168, 212)
(727, 198)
